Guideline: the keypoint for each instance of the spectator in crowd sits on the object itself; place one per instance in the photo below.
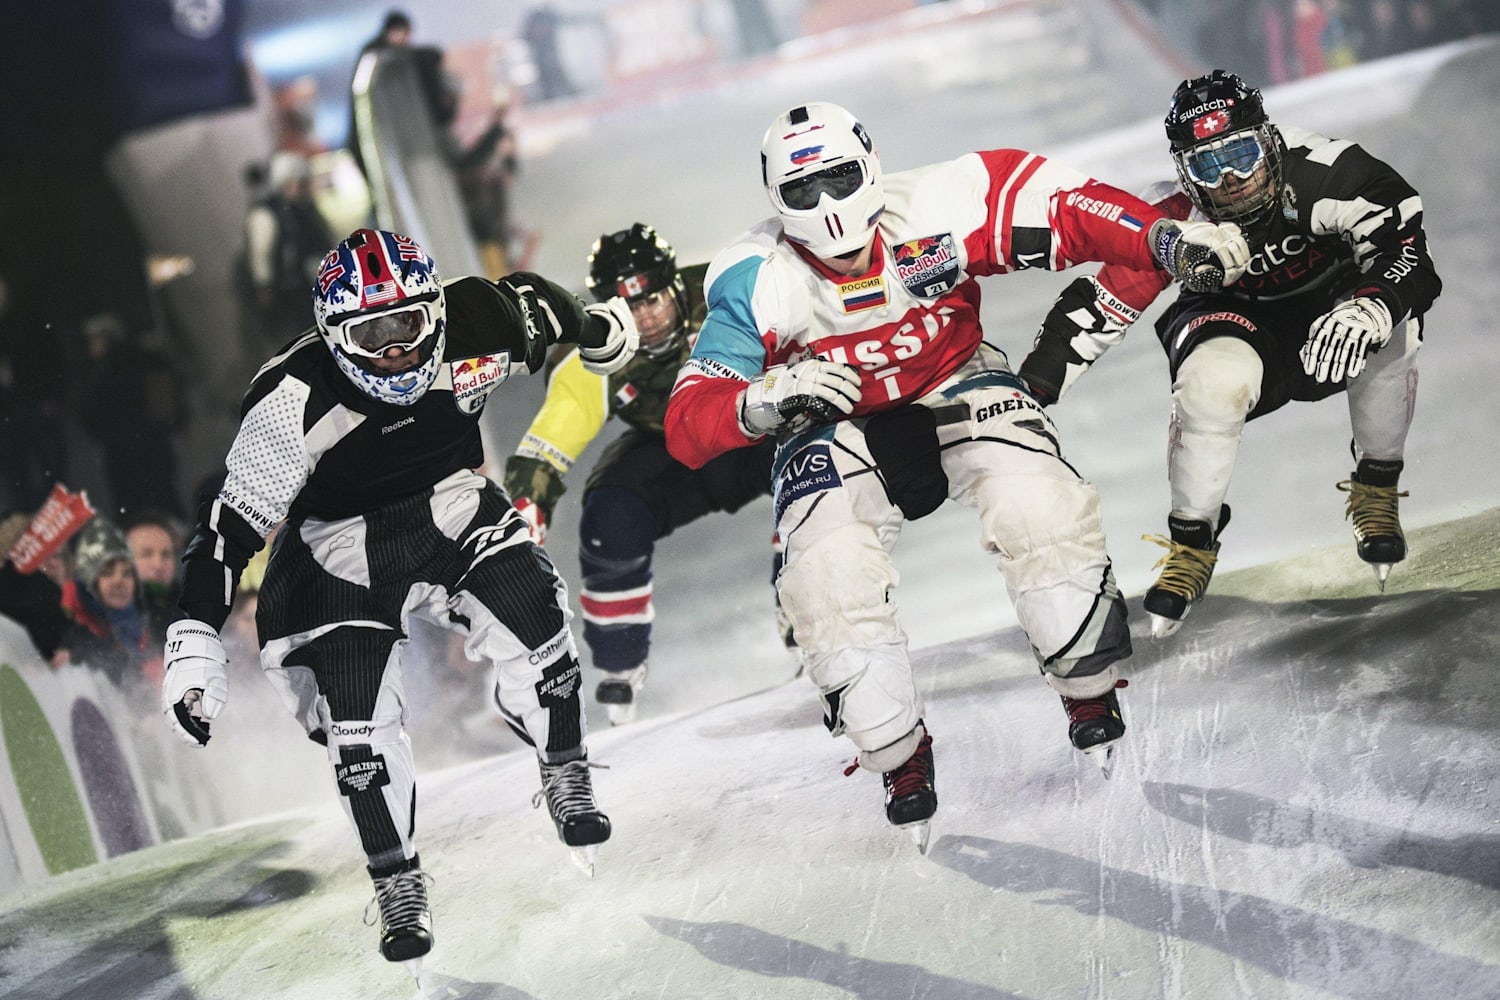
(394, 33)
(132, 407)
(32, 600)
(155, 541)
(539, 32)
(285, 240)
(296, 105)
(113, 632)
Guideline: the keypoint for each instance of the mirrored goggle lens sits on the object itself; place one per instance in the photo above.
(838, 181)
(377, 334)
(1238, 156)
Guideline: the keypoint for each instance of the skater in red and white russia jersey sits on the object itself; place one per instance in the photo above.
(849, 327)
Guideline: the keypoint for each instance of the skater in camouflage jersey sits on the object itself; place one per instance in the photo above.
(636, 493)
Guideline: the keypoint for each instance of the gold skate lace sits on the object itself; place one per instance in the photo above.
(1375, 509)
(1187, 569)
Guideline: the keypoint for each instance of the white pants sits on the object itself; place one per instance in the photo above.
(1000, 454)
(1219, 383)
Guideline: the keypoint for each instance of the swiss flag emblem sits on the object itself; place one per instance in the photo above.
(1210, 124)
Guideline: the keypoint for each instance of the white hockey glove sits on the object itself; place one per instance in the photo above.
(536, 521)
(620, 341)
(795, 396)
(197, 682)
(1204, 256)
(1338, 340)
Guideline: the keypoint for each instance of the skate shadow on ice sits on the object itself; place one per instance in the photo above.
(738, 946)
(436, 986)
(134, 959)
(1297, 945)
(1418, 641)
(1253, 819)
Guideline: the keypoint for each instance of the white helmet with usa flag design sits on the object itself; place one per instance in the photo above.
(380, 308)
(822, 173)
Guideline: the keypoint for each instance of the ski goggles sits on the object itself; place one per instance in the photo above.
(403, 328)
(1238, 155)
(838, 182)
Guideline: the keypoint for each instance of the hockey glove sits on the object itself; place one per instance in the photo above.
(1204, 256)
(536, 521)
(1339, 339)
(607, 353)
(796, 396)
(196, 685)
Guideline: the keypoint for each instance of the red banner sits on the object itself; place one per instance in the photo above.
(58, 520)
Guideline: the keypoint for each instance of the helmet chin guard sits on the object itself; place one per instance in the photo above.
(823, 176)
(377, 293)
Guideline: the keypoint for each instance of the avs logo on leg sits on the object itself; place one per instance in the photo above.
(810, 470)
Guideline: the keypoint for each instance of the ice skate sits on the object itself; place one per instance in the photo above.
(1186, 569)
(405, 916)
(617, 693)
(569, 794)
(1095, 725)
(1375, 506)
(911, 793)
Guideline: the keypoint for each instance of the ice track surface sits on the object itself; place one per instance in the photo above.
(1304, 806)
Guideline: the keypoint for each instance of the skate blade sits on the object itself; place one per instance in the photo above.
(920, 833)
(1104, 756)
(584, 858)
(619, 715)
(1382, 571)
(1161, 626)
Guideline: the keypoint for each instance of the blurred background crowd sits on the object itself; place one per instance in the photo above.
(174, 171)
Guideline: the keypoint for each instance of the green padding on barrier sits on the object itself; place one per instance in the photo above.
(42, 778)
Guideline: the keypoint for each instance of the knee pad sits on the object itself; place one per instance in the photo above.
(1217, 384)
(869, 695)
(837, 591)
(617, 533)
(1048, 532)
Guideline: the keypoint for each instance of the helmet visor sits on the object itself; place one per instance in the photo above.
(372, 336)
(838, 181)
(1239, 155)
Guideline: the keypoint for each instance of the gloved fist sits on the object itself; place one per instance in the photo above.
(607, 353)
(794, 396)
(1338, 340)
(536, 521)
(1204, 256)
(196, 685)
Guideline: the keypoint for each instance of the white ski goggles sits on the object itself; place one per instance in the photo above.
(1238, 155)
(370, 336)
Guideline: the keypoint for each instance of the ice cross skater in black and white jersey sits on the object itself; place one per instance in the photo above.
(363, 434)
(1332, 301)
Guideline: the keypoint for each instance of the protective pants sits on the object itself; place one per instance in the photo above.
(333, 619)
(998, 454)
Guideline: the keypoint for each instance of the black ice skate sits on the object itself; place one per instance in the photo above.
(569, 793)
(910, 791)
(1095, 725)
(405, 916)
(617, 693)
(1186, 569)
(1375, 506)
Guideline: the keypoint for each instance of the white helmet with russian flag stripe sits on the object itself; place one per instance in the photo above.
(378, 296)
(822, 173)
